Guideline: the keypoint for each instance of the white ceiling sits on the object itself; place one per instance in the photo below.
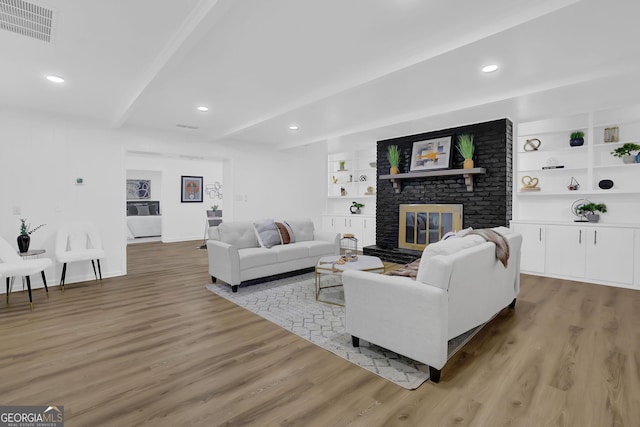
(340, 69)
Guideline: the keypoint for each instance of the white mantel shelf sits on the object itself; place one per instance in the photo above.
(467, 173)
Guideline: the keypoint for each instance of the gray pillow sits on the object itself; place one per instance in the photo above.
(267, 233)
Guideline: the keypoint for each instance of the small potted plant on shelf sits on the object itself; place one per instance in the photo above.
(216, 212)
(355, 207)
(393, 155)
(466, 149)
(624, 152)
(25, 235)
(576, 139)
(589, 211)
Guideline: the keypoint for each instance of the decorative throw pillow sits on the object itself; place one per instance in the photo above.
(267, 233)
(286, 233)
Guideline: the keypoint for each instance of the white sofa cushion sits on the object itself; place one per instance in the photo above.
(238, 233)
(256, 257)
(290, 252)
(320, 247)
(302, 229)
(431, 272)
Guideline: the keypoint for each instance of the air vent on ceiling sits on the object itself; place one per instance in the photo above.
(27, 19)
(179, 125)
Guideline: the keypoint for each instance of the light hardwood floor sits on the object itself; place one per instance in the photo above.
(156, 348)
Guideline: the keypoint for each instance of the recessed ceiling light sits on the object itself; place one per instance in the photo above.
(293, 127)
(55, 79)
(489, 68)
(203, 109)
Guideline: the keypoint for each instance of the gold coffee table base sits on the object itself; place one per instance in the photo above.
(328, 266)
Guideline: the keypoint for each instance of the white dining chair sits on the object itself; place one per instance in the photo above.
(78, 241)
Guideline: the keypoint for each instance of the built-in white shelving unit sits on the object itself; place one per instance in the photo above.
(553, 243)
(352, 176)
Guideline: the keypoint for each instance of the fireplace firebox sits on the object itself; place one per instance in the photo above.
(422, 224)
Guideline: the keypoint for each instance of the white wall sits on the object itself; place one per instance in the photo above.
(42, 155)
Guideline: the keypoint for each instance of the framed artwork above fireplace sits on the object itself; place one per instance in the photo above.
(431, 154)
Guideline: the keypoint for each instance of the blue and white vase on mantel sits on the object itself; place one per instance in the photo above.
(638, 157)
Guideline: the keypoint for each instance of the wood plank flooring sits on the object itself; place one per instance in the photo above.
(156, 348)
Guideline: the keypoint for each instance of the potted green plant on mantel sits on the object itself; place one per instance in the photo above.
(589, 211)
(466, 149)
(625, 150)
(393, 155)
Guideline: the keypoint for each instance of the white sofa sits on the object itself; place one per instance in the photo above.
(236, 255)
(460, 284)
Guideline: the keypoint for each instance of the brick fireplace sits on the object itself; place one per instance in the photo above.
(488, 205)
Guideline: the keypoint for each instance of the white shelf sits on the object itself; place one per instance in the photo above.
(621, 165)
(555, 150)
(555, 170)
(576, 193)
(366, 196)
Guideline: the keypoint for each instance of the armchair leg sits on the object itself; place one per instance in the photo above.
(8, 280)
(213, 279)
(44, 280)
(93, 264)
(434, 374)
(99, 272)
(234, 288)
(29, 289)
(513, 303)
(355, 341)
(64, 273)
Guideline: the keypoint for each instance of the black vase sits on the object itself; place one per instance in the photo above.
(23, 243)
(576, 142)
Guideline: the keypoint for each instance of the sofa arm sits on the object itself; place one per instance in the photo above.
(329, 236)
(397, 313)
(224, 261)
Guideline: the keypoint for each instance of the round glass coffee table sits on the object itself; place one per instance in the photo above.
(329, 266)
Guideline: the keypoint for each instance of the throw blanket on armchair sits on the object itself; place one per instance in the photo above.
(502, 245)
(502, 252)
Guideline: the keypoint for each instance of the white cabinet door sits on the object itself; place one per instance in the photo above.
(610, 255)
(328, 224)
(532, 253)
(368, 231)
(566, 251)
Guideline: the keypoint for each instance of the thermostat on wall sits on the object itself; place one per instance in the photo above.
(79, 181)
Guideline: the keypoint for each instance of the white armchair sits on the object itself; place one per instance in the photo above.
(460, 284)
(79, 241)
(12, 265)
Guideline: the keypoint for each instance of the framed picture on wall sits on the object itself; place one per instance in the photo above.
(191, 189)
(611, 134)
(431, 154)
(138, 189)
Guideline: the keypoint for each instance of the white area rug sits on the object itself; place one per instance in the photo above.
(291, 304)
